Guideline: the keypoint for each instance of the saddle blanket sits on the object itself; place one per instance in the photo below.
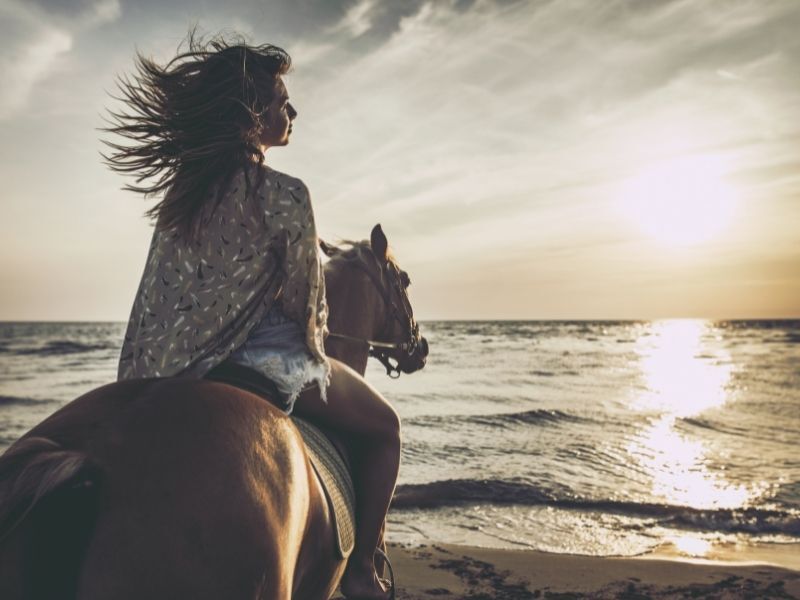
(336, 480)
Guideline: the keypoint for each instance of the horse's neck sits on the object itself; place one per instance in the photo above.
(356, 311)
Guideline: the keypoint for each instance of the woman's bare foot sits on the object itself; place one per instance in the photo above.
(360, 581)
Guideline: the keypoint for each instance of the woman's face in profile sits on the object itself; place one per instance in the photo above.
(277, 120)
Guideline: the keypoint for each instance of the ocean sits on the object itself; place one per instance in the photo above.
(589, 437)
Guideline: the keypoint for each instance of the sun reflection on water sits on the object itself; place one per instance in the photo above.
(691, 545)
(683, 377)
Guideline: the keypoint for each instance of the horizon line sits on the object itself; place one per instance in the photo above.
(470, 320)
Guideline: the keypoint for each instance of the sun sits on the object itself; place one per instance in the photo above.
(680, 202)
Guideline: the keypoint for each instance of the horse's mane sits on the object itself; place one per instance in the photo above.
(351, 250)
(33, 468)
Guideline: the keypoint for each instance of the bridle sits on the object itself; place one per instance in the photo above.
(380, 349)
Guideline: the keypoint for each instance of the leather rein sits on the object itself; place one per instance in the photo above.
(379, 349)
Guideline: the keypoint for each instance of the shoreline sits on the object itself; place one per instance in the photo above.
(782, 555)
(448, 571)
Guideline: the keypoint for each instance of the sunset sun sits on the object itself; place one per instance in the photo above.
(680, 202)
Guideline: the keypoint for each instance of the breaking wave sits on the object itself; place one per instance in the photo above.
(468, 491)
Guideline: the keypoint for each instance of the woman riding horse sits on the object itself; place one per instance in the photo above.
(177, 487)
(234, 272)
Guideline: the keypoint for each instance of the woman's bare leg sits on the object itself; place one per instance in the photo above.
(355, 408)
(380, 564)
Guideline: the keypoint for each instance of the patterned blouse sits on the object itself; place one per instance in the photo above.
(197, 302)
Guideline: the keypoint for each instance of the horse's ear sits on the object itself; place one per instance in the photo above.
(328, 249)
(380, 247)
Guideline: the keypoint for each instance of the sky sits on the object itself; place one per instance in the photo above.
(563, 159)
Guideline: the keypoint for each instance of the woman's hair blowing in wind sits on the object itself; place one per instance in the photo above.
(193, 123)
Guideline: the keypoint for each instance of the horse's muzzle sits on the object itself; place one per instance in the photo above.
(416, 360)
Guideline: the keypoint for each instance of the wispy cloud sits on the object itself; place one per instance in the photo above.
(35, 35)
(511, 107)
(357, 19)
(489, 137)
(32, 49)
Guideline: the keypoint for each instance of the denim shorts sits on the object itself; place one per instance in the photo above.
(276, 348)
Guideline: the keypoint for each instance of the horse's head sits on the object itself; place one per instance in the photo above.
(386, 323)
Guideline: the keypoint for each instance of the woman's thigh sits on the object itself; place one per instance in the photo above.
(353, 405)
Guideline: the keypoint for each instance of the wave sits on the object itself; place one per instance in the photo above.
(536, 416)
(788, 493)
(454, 492)
(701, 423)
(529, 417)
(457, 491)
(708, 424)
(57, 348)
(754, 431)
(791, 338)
(20, 401)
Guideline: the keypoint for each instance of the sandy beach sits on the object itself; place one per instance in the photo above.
(470, 573)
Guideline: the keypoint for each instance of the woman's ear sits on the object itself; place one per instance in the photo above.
(380, 247)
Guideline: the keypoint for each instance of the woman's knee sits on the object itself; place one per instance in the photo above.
(384, 424)
(392, 425)
(368, 410)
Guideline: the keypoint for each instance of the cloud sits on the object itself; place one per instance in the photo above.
(76, 14)
(509, 109)
(488, 137)
(32, 47)
(36, 34)
(356, 20)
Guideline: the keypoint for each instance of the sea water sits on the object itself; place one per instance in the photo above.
(592, 437)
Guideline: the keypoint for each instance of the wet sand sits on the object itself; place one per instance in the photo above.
(448, 572)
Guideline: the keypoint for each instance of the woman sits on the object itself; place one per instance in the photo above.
(233, 271)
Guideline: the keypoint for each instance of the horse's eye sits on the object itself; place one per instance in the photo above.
(404, 279)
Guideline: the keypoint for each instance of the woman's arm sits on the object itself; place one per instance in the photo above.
(303, 294)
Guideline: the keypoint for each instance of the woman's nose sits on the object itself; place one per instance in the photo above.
(292, 112)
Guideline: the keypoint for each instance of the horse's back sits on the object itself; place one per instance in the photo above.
(207, 487)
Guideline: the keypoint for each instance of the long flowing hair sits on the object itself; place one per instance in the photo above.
(193, 123)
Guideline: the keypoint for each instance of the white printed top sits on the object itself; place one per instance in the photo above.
(198, 301)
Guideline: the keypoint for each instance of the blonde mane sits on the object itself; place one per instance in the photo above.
(352, 250)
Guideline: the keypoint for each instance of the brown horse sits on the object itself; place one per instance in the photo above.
(192, 489)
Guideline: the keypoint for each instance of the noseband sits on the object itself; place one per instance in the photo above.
(379, 349)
